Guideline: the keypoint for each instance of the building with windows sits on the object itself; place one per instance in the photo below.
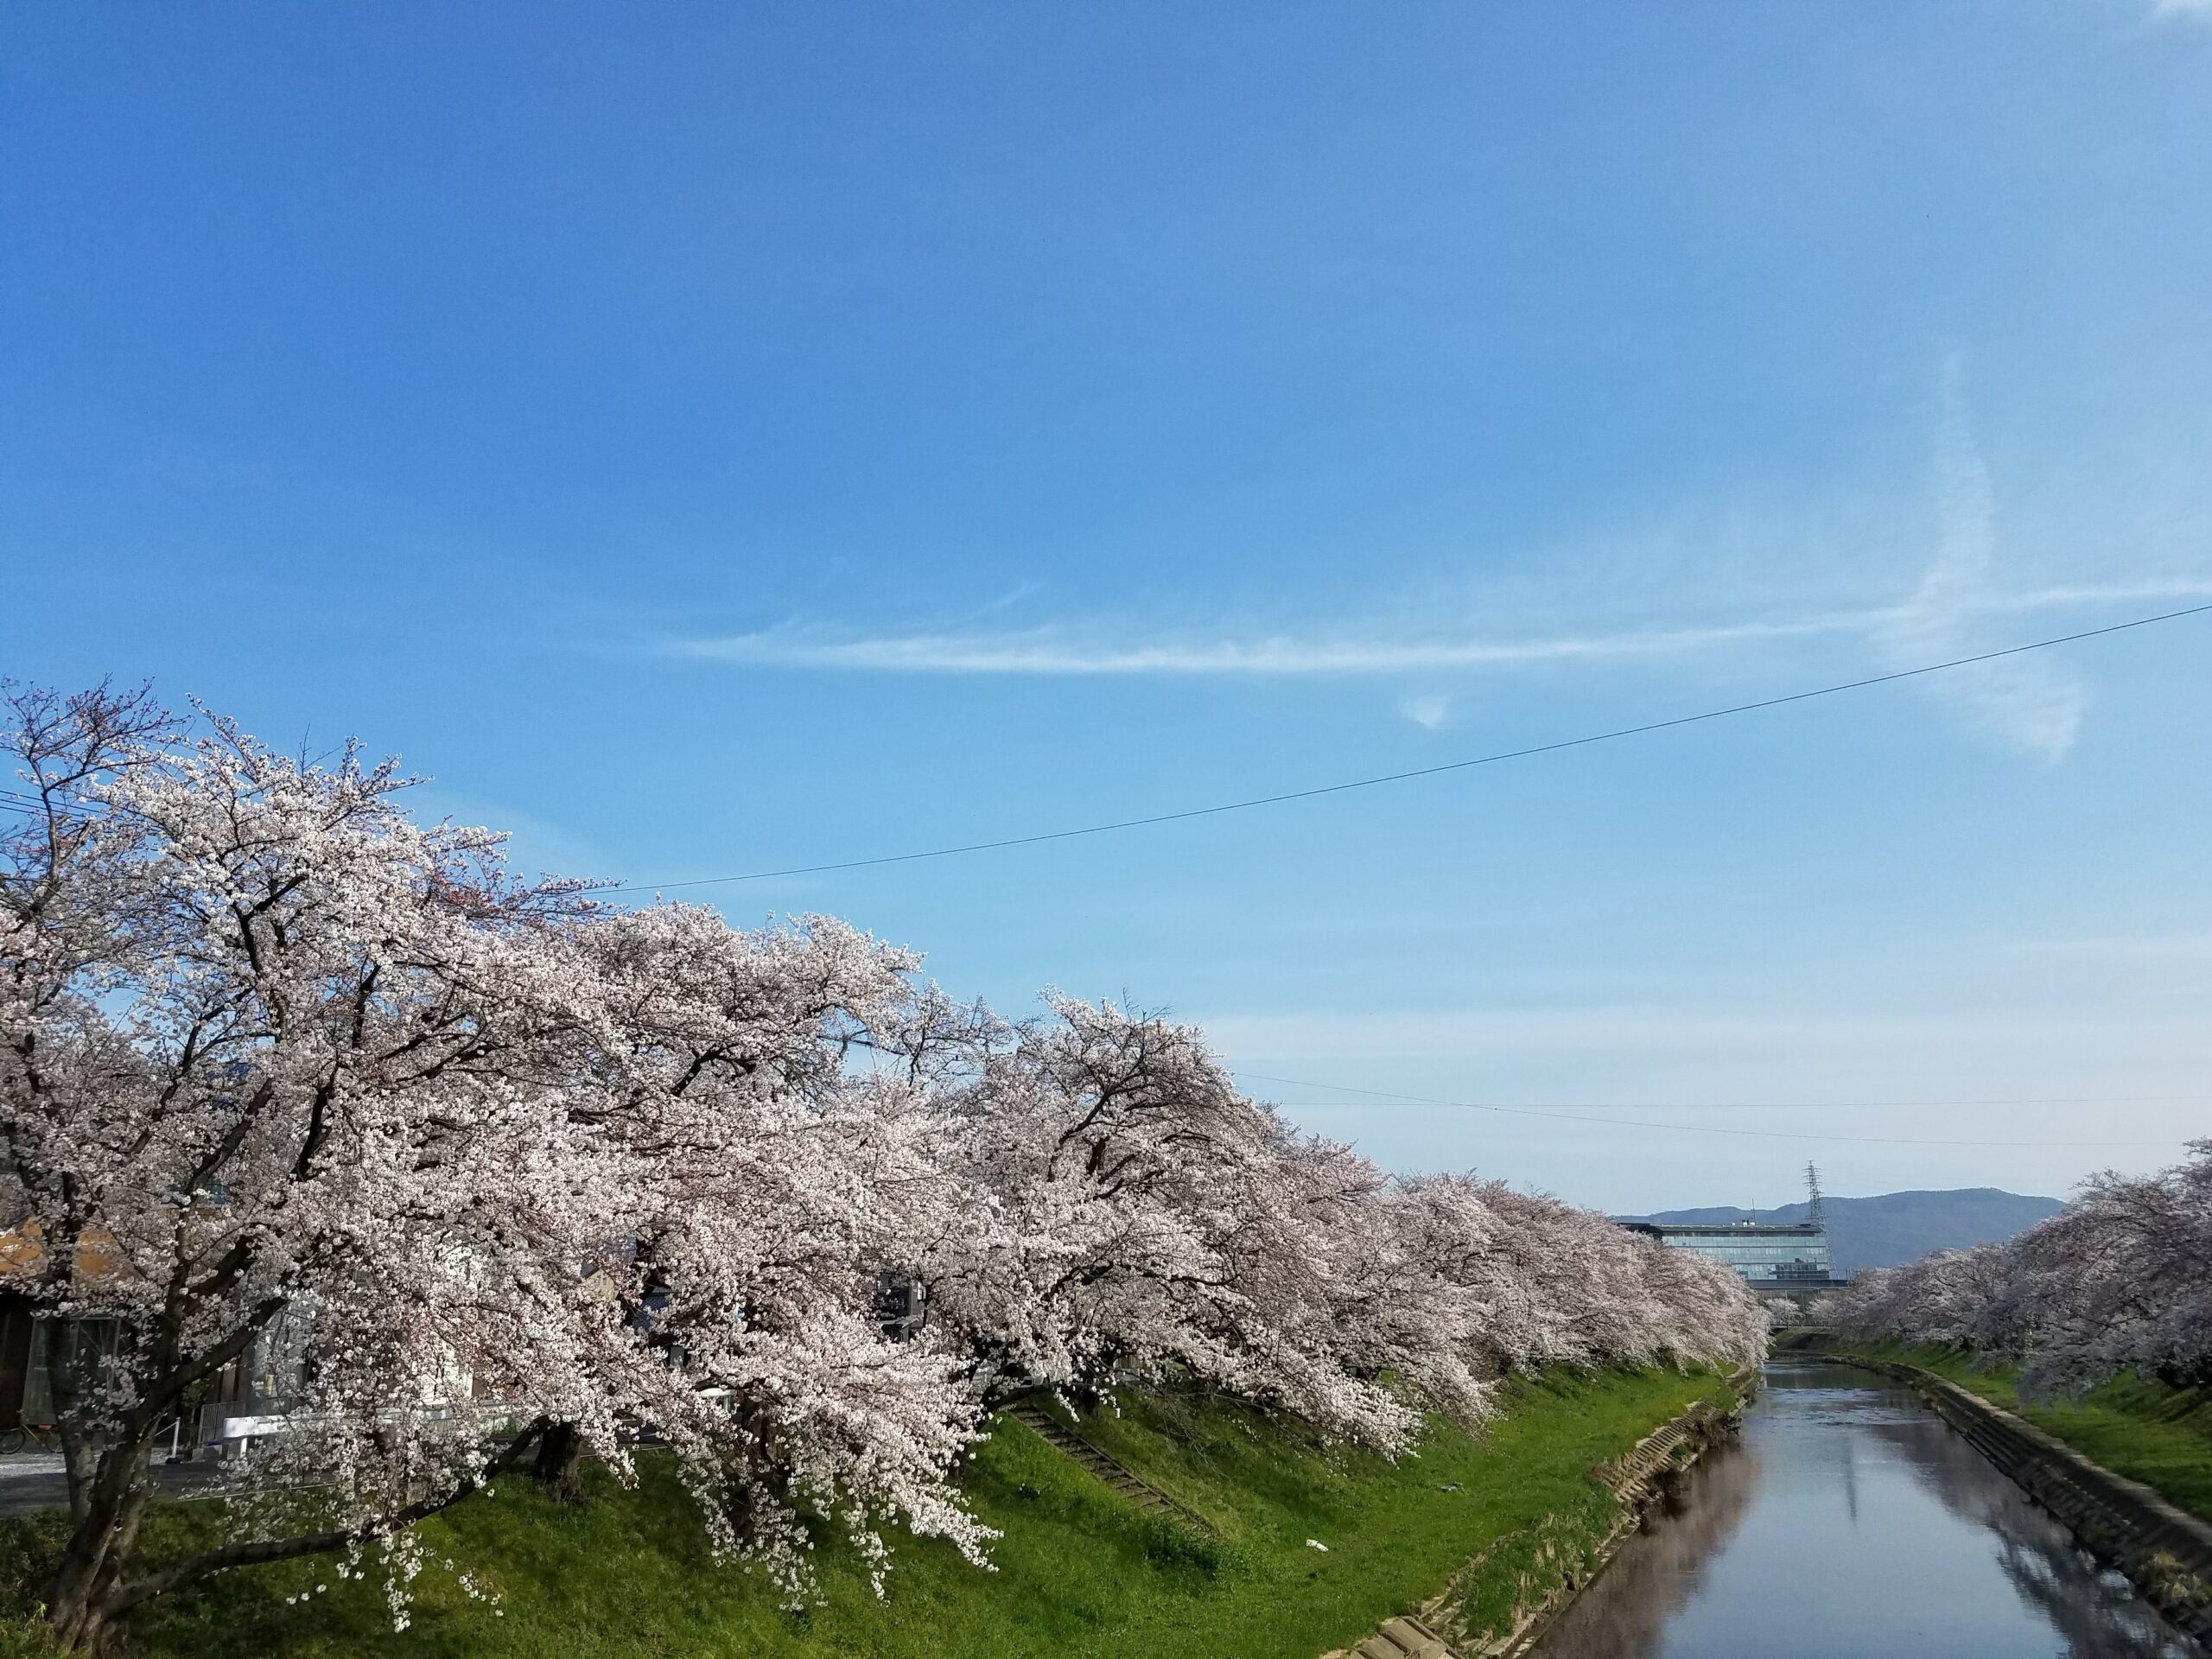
(1780, 1259)
(246, 1399)
(1777, 1258)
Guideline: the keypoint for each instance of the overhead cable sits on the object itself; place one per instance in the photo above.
(1003, 842)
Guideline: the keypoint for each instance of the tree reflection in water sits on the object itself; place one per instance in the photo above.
(1852, 1523)
(1624, 1615)
(2095, 1608)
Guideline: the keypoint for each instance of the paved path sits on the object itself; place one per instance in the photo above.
(31, 1481)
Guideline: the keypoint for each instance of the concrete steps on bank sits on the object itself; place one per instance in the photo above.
(1403, 1638)
(1399, 1638)
(1123, 1479)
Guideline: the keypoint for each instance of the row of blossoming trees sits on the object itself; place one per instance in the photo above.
(2116, 1282)
(533, 1172)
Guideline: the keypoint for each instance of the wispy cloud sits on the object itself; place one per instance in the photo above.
(1058, 652)
(1667, 594)
(1431, 711)
(2200, 11)
(2155, 948)
(1946, 600)
(2033, 703)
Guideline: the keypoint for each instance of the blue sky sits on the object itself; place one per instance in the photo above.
(716, 439)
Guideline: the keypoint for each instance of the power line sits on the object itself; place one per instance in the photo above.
(60, 801)
(1685, 1129)
(1419, 772)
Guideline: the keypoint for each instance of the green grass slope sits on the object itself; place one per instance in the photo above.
(2159, 1435)
(1078, 1571)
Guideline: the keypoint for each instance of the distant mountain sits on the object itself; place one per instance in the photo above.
(1894, 1228)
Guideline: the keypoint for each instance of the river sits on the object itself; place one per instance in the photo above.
(1850, 1522)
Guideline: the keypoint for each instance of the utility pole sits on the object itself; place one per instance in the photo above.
(1818, 1216)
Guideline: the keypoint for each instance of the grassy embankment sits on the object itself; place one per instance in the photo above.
(2134, 1425)
(1078, 1571)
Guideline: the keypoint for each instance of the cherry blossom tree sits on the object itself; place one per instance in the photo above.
(1541, 1283)
(1121, 1185)
(2116, 1282)
(516, 1175)
(768, 1183)
(273, 1051)
(271, 1046)
(1950, 1296)
(1145, 1219)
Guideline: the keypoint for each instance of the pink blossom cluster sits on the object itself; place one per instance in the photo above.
(514, 1173)
(2117, 1282)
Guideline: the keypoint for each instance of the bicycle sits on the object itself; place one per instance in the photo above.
(26, 1436)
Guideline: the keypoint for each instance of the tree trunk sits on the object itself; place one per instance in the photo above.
(108, 1509)
(560, 1463)
(760, 1482)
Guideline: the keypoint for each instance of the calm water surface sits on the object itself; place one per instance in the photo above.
(1850, 1524)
